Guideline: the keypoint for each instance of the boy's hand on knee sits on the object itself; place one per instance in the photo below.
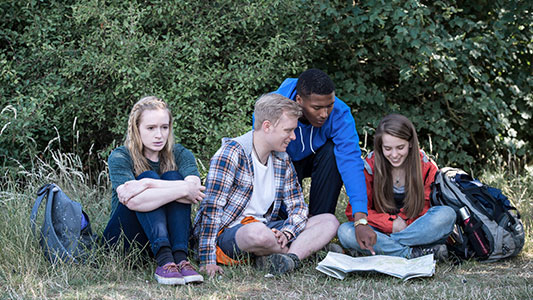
(280, 237)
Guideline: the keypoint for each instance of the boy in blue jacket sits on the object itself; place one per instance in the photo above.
(327, 149)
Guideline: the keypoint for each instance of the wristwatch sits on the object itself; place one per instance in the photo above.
(361, 221)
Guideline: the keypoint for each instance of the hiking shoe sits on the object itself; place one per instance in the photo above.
(333, 247)
(189, 273)
(439, 251)
(169, 274)
(352, 252)
(297, 261)
(277, 263)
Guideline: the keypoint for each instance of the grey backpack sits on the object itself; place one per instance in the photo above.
(66, 233)
(487, 226)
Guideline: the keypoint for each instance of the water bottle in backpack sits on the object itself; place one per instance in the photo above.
(477, 238)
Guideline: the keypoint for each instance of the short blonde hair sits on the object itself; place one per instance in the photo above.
(270, 107)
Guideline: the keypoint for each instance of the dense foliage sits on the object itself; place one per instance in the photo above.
(71, 70)
(74, 70)
(461, 70)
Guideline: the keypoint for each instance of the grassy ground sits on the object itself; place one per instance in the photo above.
(25, 274)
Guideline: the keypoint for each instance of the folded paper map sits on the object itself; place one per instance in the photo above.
(339, 265)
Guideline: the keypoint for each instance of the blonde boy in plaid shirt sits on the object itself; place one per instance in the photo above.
(249, 178)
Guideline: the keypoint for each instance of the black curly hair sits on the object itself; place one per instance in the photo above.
(314, 81)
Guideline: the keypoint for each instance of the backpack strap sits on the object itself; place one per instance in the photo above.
(425, 158)
(516, 211)
(472, 192)
(427, 176)
(437, 186)
(41, 194)
(368, 169)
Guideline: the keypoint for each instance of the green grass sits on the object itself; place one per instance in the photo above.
(25, 274)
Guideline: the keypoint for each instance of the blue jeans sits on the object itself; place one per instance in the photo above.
(431, 228)
(168, 225)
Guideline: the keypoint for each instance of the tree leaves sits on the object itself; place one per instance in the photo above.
(460, 70)
(466, 65)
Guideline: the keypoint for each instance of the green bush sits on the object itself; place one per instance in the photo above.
(461, 71)
(79, 67)
(71, 70)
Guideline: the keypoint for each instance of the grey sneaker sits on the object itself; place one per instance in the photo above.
(333, 247)
(440, 252)
(352, 252)
(277, 263)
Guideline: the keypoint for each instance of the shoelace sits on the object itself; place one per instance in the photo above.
(171, 267)
(184, 265)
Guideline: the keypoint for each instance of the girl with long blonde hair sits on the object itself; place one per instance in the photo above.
(154, 183)
(398, 179)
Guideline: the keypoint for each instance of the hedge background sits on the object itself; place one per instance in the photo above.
(71, 70)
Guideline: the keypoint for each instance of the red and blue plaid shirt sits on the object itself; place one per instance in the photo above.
(229, 186)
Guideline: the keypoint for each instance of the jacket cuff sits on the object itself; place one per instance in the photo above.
(207, 257)
(293, 236)
(388, 228)
(403, 216)
(359, 206)
(289, 229)
(209, 261)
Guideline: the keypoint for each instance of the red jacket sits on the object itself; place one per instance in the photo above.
(383, 221)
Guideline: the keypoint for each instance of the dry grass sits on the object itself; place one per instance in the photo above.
(25, 274)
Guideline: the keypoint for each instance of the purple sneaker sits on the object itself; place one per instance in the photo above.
(189, 273)
(169, 274)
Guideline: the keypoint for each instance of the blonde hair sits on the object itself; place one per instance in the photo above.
(398, 126)
(133, 138)
(270, 107)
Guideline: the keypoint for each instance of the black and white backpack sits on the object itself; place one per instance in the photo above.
(487, 226)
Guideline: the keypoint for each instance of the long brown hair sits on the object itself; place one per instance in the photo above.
(398, 126)
(133, 138)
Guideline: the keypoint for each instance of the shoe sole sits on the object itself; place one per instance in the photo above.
(169, 281)
(194, 278)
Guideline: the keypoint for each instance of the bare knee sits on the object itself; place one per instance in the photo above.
(327, 222)
(256, 236)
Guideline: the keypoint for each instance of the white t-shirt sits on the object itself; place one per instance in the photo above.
(263, 192)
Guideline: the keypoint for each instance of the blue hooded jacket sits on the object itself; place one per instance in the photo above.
(340, 128)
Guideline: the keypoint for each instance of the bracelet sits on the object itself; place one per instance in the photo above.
(288, 235)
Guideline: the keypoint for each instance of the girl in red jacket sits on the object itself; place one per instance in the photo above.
(398, 180)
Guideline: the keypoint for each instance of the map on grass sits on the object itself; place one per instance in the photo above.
(339, 265)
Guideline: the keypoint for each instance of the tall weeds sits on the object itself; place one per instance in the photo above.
(25, 273)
